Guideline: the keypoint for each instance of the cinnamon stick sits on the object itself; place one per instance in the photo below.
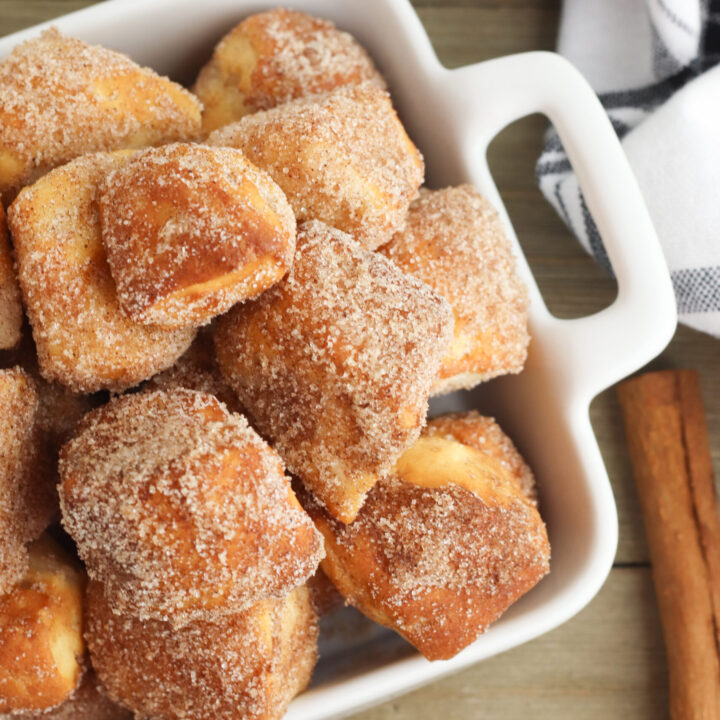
(668, 443)
(695, 435)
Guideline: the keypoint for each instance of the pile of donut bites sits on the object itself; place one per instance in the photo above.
(239, 303)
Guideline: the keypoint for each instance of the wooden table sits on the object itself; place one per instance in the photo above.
(609, 660)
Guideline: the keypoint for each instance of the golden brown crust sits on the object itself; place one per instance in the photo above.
(342, 158)
(41, 643)
(181, 509)
(247, 665)
(11, 313)
(28, 499)
(484, 434)
(61, 98)
(454, 241)
(440, 549)
(334, 364)
(276, 56)
(191, 230)
(88, 702)
(83, 340)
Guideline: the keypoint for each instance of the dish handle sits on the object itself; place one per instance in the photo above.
(618, 340)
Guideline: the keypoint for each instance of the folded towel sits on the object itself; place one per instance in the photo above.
(655, 65)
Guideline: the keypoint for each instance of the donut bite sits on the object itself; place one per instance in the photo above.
(191, 230)
(484, 434)
(61, 98)
(342, 158)
(11, 313)
(246, 665)
(41, 625)
(27, 495)
(334, 364)
(454, 241)
(276, 56)
(83, 339)
(441, 547)
(181, 510)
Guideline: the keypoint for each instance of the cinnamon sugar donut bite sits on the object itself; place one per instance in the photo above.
(181, 510)
(342, 158)
(334, 364)
(484, 434)
(246, 665)
(61, 98)
(190, 230)
(453, 240)
(27, 494)
(276, 56)
(440, 549)
(41, 625)
(83, 339)
(11, 313)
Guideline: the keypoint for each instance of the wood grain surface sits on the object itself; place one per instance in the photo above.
(608, 662)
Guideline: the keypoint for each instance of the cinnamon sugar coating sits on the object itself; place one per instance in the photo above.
(61, 98)
(342, 158)
(197, 370)
(61, 410)
(190, 230)
(247, 665)
(28, 499)
(11, 313)
(41, 642)
(334, 364)
(276, 56)
(484, 434)
(453, 240)
(88, 702)
(440, 549)
(181, 509)
(83, 339)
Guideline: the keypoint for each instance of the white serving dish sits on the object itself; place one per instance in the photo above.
(452, 115)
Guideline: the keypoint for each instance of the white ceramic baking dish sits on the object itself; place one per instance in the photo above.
(452, 115)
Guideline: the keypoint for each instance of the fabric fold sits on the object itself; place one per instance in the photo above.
(654, 64)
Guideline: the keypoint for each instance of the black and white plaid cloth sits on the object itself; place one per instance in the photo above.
(655, 65)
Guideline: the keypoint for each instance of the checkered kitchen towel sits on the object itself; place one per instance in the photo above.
(655, 65)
